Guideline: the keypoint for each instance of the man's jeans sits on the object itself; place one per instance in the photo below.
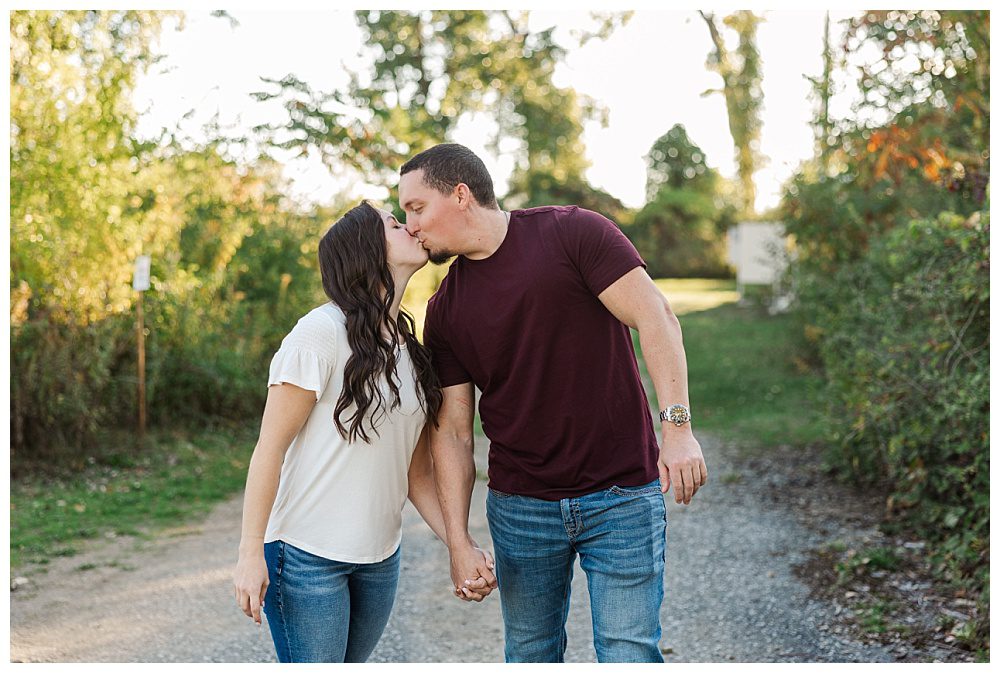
(326, 611)
(620, 534)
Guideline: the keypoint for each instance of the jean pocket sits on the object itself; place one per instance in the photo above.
(499, 494)
(636, 491)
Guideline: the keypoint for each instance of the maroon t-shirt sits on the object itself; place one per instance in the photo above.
(562, 401)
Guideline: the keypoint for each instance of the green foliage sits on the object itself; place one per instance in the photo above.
(233, 262)
(430, 68)
(921, 56)
(906, 350)
(534, 188)
(862, 562)
(681, 231)
(74, 231)
(64, 387)
(676, 162)
(74, 221)
(917, 143)
(874, 616)
(833, 220)
(681, 235)
(891, 231)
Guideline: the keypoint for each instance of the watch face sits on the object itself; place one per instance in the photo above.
(678, 414)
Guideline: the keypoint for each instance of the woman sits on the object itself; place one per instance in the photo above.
(341, 447)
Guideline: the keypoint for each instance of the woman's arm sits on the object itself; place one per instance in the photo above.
(422, 490)
(287, 408)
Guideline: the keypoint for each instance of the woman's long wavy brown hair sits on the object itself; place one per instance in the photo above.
(354, 265)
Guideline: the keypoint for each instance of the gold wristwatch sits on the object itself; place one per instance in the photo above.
(678, 414)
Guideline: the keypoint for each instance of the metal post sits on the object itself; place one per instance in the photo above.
(142, 369)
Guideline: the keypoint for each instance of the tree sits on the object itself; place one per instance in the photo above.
(538, 188)
(823, 92)
(74, 228)
(675, 161)
(916, 145)
(430, 68)
(233, 259)
(741, 85)
(892, 259)
(681, 229)
(925, 97)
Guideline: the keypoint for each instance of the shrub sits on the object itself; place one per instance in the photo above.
(68, 381)
(904, 338)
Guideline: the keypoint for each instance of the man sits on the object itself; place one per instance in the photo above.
(535, 312)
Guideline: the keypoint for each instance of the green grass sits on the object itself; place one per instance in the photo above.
(687, 295)
(135, 493)
(744, 377)
(863, 561)
(874, 616)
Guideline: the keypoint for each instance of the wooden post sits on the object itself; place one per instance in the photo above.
(142, 369)
(140, 283)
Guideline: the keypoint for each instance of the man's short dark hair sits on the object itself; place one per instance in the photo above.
(448, 164)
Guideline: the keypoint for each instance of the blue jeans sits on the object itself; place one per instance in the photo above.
(620, 534)
(326, 611)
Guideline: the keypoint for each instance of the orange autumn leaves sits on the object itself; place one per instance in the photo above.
(916, 146)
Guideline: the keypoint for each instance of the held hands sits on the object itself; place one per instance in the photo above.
(472, 572)
(250, 583)
(682, 465)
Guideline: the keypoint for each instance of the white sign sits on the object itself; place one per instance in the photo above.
(140, 281)
(756, 251)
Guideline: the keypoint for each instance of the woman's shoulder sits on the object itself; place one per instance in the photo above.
(325, 313)
(320, 330)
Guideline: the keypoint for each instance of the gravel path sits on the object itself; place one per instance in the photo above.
(730, 591)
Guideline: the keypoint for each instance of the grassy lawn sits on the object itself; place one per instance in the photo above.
(742, 374)
(743, 381)
(176, 476)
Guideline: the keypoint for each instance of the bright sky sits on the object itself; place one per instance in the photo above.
(649, 75)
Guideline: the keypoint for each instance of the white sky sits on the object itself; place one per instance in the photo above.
(649, 75)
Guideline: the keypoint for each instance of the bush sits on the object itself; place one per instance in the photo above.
(904, 337)
(67, 382)
(681, 234)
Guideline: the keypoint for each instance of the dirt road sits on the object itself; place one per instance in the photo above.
(731, 594)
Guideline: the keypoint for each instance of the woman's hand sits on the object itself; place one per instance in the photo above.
(472, 571)
(250, 583)
(478, 588)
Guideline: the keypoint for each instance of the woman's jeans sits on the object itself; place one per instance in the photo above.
(326, 611)
(620, 534)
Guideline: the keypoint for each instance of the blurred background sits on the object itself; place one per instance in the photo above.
(810, 189)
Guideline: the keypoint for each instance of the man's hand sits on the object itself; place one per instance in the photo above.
(472, 572)
(682, 464)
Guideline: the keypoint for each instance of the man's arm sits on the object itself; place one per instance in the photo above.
(636, 301)
(423, 494)
(455, 474)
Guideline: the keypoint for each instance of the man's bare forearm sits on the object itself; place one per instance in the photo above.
(663, 351)
(455, 476)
